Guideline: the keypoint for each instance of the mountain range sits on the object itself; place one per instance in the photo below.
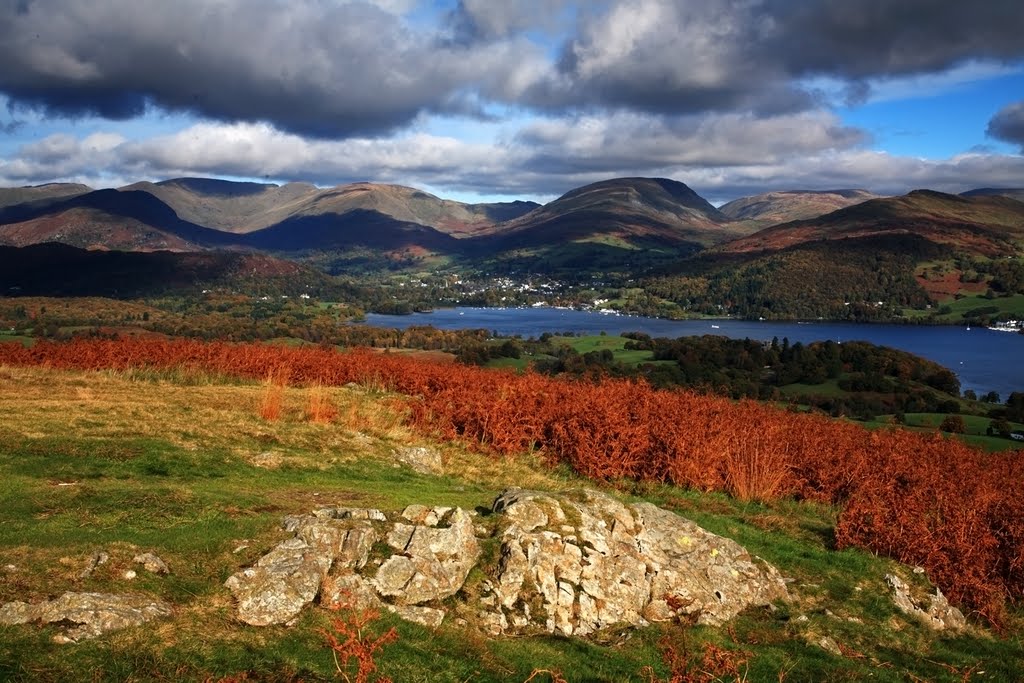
(653, 228)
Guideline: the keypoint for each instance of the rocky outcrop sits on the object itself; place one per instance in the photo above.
(574, 564)
(570, 564)
(94, 613)
(939, 615)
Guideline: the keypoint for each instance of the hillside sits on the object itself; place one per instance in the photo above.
(247, 207)
(9, 196)
(624, 224)
(62, 270)
(105, 219)
(864, 262)
(201, 468)
(985, 225)
(1013, 193)
(772, 208)
(229, 206)
(624, 209)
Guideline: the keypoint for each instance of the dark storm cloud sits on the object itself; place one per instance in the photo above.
(1008, 124)
(688, 56)
(315, 67)
(340, 68)
(860, 39)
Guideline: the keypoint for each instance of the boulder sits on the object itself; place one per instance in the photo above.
(420, 459)
(95, 613)
(432, 561)
(576, 563)
(288, 578)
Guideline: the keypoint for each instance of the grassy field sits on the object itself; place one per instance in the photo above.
(1012, 305)
(975, 430)
(180, 463)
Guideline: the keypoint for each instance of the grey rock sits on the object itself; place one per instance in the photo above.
(420, 458)
(939, 616)
(280, 585)
(151, 562)
(95, 613)
(348, 590)
(424, 616)
(620, 564)
(93, 562)
(432, 563)
(569, 564)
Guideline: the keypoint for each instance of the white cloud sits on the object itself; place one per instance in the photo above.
(722, 157)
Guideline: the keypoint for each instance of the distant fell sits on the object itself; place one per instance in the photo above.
(624, 210)
(248, 207)
(105, 219)
(10, 196)
(1011, 192)
(772, 208)
(983, 225)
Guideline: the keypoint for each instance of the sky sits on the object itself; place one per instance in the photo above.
(481, 100)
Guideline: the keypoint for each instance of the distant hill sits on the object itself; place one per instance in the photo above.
(984, 225)
(1013, 193)
(861, 262)
(247, 207)
(9, 196)
(772, 208)
(61, 270)
(630, 212)
(105, 219)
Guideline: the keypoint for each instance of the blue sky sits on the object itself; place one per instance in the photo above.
(480, 100)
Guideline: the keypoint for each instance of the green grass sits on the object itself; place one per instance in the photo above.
(125, 462)
(975, 429)
(615, 344)
(1011, 305)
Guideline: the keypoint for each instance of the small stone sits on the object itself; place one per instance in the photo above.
(919, 570)
(129, 575)
(96, 560)
(152, 563)
(829, 645)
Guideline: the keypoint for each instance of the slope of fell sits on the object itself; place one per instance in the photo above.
(228, 206)
(1011, 192)
(10, 196)
(625, 210)
(772, 208)
(61, 270)
(107, 219)
(985, 225)
(247, 207)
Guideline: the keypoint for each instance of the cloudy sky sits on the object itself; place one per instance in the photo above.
(474, 99)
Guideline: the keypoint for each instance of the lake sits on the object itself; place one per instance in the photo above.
(983, 359)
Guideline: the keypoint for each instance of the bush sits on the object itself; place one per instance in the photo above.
(954, 424)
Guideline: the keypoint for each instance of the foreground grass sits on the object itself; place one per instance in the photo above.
(181, 464)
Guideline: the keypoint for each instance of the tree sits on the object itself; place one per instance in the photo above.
(954, 424)
(1000, 426)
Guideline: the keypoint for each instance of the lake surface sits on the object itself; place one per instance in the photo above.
(983, 359)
